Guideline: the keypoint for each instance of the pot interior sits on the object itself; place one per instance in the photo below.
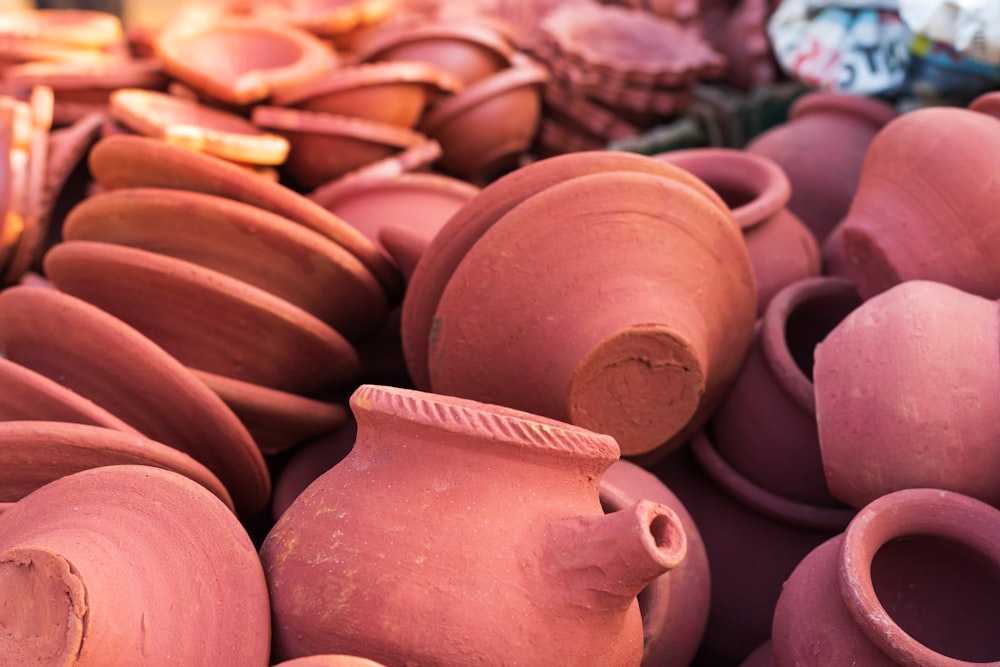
(811, 321)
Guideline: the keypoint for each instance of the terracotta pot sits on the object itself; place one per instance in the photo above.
(766, 426)
(782, 249)
(914, 580)
(241, 61)
(921, 215)
(485, 129)
(112, 365)
(467, 50)
(903, 395)
(405, 245)
(555, 337)
(987, 103)
(326, 146)
(243, 332)
(95, 566)
(837, 127)
(35, 453)
(547, 548)
(395, 93)
(674, 605)
(127, 162)
(310, 461)
(329, 661)
(753, 538)
(244, 242)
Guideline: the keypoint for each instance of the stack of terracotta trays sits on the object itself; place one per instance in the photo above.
(615, 72)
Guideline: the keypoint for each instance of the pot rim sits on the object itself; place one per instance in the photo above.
(320, 123)
(872, 111)
(470, 31)
(368, 75)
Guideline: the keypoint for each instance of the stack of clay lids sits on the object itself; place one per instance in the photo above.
(615, 71)
(59, 35)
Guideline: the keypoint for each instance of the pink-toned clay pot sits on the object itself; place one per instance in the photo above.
(924, 213)
(485, 129)
(987, 103)
(821, 147)
(914, 580)
(35, 453)
(782, 249)
(766, 426)
(326, 146)
(244, 242)
(405, 245)
(754, 540)
(834, 262)
(674, 605)
(115, 367)
(310, 461)
(127, 565)
(329, 661)
(904, 389)
(243, 332)
(242, 61)
(395, 93)
(467, 50)
(448, 552)
(618, 327)
(125, 162)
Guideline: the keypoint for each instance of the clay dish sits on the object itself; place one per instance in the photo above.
(331, 18)
(70, 27)
(244, 242)
(612, 44)
(462, 231)
(326, 146)
(405, 245)
(468, 50)
(108, 362)
(242, 61)
(31, 396)
(395, 93)
(196, 126)
(486, 127)
(130, 162)
(414, 158)
(242, 331)
(114, 566)
(35, 453)
(276, 419)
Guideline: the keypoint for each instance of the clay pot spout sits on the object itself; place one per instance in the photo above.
(607, 560)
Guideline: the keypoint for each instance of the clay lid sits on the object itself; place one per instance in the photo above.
(414, 158)
(69, 27)
(124, 161)
(113, 365)
(242, 61)
(242, 331)
(277, 420)
(329, 18)
(196, 126)
(244, 242)
(141, 73)
(35, 453)
(611, 43)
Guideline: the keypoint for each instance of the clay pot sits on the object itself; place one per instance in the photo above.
(126, 162)
(754, 540)
(310, 461)
(766, 426)
(914, 580)
(923, 215)
(987, 103)
(242, 61)
(837, 127)
(95, 566)
(903, 395)
(538, 549)
(326, 146)
(115, 367)
(405, 245)
(329, 661)
(555, 337)
(467, 50)
(782, 249)
(484, 129)
(674, 605)
(394, 93)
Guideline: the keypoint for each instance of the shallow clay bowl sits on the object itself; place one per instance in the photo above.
(130, 162)
(68, 27)
(193, 125)
(326, 146)
(394, 93)
(108, 362)
(276, 419)
(35, 453)
(244, 242)
(204, 318)
(461, 232)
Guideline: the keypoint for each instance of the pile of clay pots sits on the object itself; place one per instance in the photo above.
(312, 350)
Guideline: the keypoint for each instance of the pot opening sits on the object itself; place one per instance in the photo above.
(810, 322)
(238, 51)
(735, 194)
(944, 594)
